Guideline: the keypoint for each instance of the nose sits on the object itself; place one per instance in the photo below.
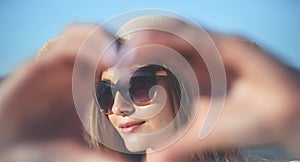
(121, 106)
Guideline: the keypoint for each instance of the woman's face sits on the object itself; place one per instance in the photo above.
(129, 126)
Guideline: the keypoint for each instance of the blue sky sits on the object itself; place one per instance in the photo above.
(27, 25)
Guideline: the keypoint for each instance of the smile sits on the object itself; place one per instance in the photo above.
(130, 127)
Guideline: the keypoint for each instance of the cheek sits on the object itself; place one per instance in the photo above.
(166, 115)
(114, 120)
(163, 118)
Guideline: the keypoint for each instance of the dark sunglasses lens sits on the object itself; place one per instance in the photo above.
(104, 96)
(140, 85)
(140, 88)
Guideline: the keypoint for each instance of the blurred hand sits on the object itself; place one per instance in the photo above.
(262, 103)
(38, 119)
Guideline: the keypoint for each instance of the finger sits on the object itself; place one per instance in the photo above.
(89, 39)
(245, 56)
(61, 150)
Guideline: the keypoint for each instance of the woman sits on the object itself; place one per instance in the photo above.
(111, 105)
(44, 102)
(115, 129)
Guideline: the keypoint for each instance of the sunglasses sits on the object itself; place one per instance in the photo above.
(135, 91)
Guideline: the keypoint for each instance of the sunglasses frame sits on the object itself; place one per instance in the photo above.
(124, 89)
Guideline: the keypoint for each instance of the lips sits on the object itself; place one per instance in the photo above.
(130, 127)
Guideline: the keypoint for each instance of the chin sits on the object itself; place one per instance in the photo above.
(136, 143)
(135, 149)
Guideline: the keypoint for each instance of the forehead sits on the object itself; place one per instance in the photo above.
(114, 73)
(108, 74)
